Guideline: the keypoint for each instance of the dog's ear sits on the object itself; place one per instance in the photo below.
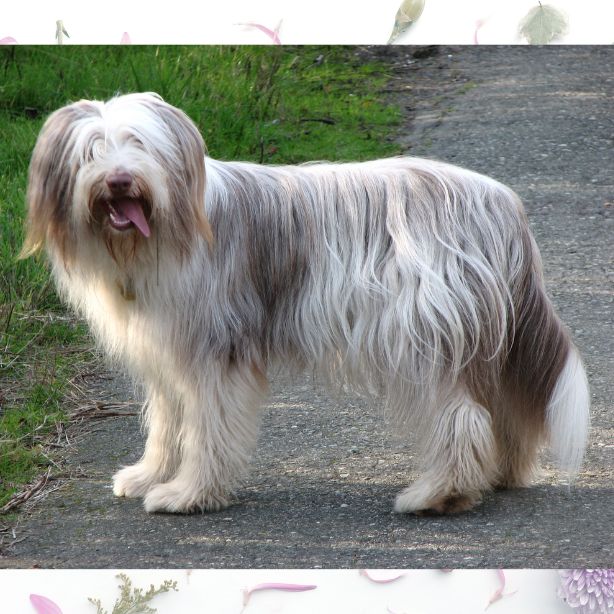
(189, 208)
(51, 181)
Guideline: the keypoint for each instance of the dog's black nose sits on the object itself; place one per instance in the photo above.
(119, 181)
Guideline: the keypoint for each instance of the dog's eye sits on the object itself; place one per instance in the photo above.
(129, 139)
(94, 151)
(136, 142)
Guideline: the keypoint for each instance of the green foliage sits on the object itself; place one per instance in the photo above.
(40, 354)
(134, 600)
(259, 103)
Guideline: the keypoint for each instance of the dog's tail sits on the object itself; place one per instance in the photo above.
(567, 414)
(547, 374)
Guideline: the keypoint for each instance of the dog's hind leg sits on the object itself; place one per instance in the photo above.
(161, 455)
(519, 434)
(217, 435)
(460, 461)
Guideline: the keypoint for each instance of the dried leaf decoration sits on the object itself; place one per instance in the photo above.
(408, 14)
(543, 24)
(134, 600)
(60, 32)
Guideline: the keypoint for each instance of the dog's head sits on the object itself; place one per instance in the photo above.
(120, 172)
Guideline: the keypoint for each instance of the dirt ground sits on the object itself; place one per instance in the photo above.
(326, 471)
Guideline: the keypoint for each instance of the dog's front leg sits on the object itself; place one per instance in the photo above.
(218, 431)
(161, 456)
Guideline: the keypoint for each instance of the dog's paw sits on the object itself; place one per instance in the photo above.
(134, 481)
(179, 498)
(424, 501)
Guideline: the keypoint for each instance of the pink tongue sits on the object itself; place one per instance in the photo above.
(134, 212)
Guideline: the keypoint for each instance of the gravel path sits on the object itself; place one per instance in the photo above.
(320, 491)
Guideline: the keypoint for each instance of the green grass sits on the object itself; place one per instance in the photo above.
(266, 104)
(250, 102)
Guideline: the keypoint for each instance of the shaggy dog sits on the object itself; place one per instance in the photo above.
(412, 279)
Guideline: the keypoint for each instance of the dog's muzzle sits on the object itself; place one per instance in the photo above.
(125, 210)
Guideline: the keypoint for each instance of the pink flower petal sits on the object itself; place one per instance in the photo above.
(478, 25)
(276, 586)
(7, 40)
(366, 574)
(44, 605)
(498, 594)
(272, 34)
(125, 40)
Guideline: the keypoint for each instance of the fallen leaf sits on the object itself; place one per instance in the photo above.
(60, 32)
(543, 24)
(408, 14)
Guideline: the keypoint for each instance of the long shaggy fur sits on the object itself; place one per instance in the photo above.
(412, 279)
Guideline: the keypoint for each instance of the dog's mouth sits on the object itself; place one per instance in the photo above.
(125, 213)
